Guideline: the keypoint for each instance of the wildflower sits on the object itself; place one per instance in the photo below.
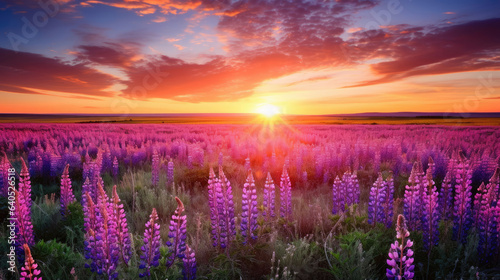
(412, 200)
(67, 196)
(150, 256)
(462, 207)
(286, 195)
(269, 196)
(29, 271)
(115, 168)
(189, 265)
(225, 205)
(120, 222)
(155, 169)
(337, 198)
(170, 172)
(400, 258)
(249, 209)
(177, 234)
(377, 198)
(388, 203)
(430, 214)
(212, 203)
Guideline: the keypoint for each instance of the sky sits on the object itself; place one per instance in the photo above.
(224, 56)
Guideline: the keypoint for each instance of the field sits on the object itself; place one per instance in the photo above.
(289, 199)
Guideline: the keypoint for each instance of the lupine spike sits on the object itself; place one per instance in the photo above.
(170, 173)
(286, 195)
(488, 224)
(67, 196)
(412, 200)
(337, 197)
(388, 204)
(29, 271)
(115, 168)
(177, 234)
(249, 211)
(150, 256)
(212, 203)
(400, 258)
(375, 204)
(24, 227)
(430, 215)
(155, 169)
(446, 197)
(122, 234)
(269, 198)
(189, 265)
(225, 206)
(462, 208)
(25, 184)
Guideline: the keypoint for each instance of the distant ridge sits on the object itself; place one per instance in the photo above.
(359, 115)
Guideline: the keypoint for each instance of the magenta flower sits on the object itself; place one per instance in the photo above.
(286, 196)
(25, 184)
(150, 256)
(400, 258)
(388, 203)
(177, 234)
(446, 197)
(119, 220)
(170, 173)
(488, 221)
(463, 196)
(29, 271)
(412, 200)
(115, 168)
(24, 227)
(269, 198)
(338, 202)
(249, 211)
(67, 196)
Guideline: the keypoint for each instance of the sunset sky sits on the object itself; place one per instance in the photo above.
(200, 56)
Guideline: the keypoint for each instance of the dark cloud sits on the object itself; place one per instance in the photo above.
(20, 70)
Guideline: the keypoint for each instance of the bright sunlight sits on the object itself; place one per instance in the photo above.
(268, 110)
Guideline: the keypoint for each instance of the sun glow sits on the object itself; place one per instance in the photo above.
(268, 110)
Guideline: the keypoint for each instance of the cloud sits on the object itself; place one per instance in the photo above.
(22, 72)
(110, 54)
(469, 46)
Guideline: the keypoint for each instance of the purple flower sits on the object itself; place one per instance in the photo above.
(388, 203)
(400, 258)
(249, 211)
(412, 200)
(337, 198)
(115, 168)
(150, 256)
(67, 196)
(25, 184)
(155, 169)
(487, 223)
(189, 265)
(269, 197)
(24, 227)
(375, 204)
(177, 234)
(212, 203)
(446, 197)
(462, 207)
(286, 195)
(430, 214)
(170, 173)
(225, 205)
(119, 219)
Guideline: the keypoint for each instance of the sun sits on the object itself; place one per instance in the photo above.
(268, 110)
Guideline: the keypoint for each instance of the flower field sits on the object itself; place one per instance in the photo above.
(218, 201)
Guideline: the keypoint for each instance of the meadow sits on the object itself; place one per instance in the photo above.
(259, 201)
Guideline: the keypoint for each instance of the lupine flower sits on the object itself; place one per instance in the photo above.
(430, 215)
(388, 204)
(25, 184)
(286, 196)
(375, 204)
(249, 211)
(212, 203)
(115, 168)
(24, 227)
(119, 219)
(170, 173)
(488, 223)
(446, 197)
(462, 208)
(177, 234)
(247, 163)
(67, 196)
(221, 159)
(155, 169)
(337, 199)
(354, 191)
(225, 209)
(150, 256)
(412, 200)
(269, 197)
(476, 210)
(189, 265)
(400, 258)
(29, 271)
